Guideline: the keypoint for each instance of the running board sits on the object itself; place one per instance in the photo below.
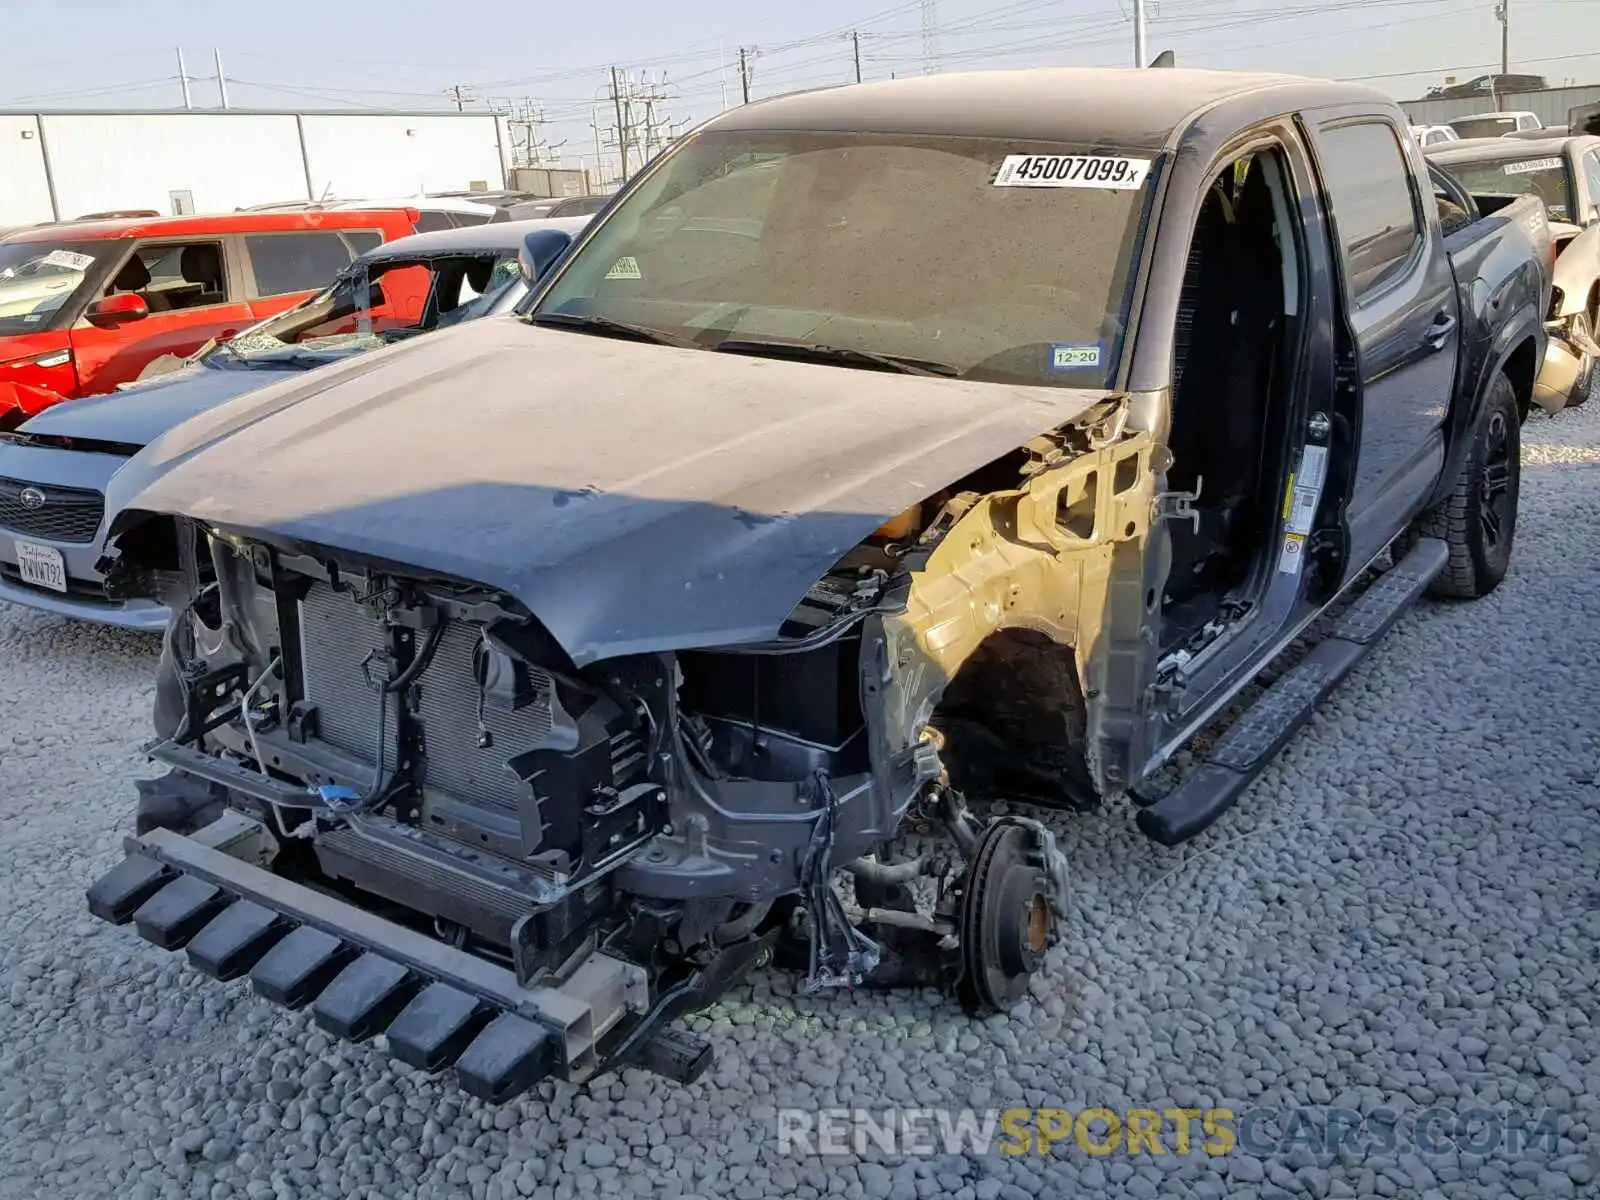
(1252, 741)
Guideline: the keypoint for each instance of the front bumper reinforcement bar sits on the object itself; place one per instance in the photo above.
(362, 975)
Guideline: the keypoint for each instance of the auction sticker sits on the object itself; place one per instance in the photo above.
(1531, 165)
(69, 259)
(626, 267)
(1072, 171)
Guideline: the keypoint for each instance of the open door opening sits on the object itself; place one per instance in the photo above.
(1233, 367)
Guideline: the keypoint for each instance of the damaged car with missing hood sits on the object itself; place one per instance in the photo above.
(881, 451)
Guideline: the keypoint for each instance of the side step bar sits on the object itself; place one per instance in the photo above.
(1267, 725)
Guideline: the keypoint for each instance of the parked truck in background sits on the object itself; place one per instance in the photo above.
(880, 450)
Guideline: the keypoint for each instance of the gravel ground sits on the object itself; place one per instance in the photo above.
(1403, 912)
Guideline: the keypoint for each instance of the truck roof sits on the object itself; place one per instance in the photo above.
(1502, 149)
(198, 224)
(490, 238)
(1135, 108)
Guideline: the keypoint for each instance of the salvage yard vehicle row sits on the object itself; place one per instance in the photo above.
(54, 468)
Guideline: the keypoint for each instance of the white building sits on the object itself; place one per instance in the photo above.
(57, 165)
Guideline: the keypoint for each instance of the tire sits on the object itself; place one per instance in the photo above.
(1478, 519)
(1580, 389)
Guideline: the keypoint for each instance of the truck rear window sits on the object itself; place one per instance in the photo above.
(893, 245)
(1484, 127)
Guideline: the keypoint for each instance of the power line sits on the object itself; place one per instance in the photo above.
(1489, 66)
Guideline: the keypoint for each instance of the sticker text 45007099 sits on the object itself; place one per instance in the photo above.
(1072, 171)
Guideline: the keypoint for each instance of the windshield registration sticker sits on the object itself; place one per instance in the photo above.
(626, 267)
(1070, 358)
(1531, 165)
(69, 259)
(1072, 171)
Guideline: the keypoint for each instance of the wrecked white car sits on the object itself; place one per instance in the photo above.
(1564, 172)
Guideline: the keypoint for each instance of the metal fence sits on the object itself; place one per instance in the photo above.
(1551, 105)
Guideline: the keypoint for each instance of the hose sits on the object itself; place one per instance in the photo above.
(887, 873)
(812, 641)
(244, 711)
(419, 662)
(741, 926)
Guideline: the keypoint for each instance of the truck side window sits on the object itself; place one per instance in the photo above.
(1373, 205)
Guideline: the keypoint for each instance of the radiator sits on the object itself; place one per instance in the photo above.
(337, 634)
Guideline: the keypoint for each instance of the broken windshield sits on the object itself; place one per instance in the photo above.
(371, 305)
(993, 260)
(37, 279)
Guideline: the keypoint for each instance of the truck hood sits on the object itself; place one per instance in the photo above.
(633, 497)
(139, 415)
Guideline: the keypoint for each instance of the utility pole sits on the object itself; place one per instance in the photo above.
(1503, 12)
(855, 45)
(183, 79)
(622, 128)
(744, 73)
(1138, 33)
(222, 80)
(930, 37)
(461, 93)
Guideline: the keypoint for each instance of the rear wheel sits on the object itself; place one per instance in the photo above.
(1478, 519)
(1580, 390)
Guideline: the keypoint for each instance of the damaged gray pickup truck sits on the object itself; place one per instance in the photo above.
(880, 449)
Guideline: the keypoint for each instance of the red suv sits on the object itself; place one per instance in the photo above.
(86, 306)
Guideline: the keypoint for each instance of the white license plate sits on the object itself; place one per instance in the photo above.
(41, 566)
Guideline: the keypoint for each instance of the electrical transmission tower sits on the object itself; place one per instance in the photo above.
(642, 127)
(930, 37)
(528, 149)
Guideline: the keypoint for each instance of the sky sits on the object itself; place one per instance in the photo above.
(556, 58)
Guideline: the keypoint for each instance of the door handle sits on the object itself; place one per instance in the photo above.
(1439, 332)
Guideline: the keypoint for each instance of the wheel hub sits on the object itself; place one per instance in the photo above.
(1006, 918)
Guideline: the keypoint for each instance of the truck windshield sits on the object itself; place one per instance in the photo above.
(37, 279)
(1544, 176)
(874, 247)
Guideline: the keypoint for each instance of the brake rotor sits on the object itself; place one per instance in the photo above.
(1005, 920)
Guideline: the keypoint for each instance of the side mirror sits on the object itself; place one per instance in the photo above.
(111, 311)
(540, 250)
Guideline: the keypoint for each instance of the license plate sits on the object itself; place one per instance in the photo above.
(41, 566)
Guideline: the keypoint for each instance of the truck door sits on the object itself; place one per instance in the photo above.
(1400, 302)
